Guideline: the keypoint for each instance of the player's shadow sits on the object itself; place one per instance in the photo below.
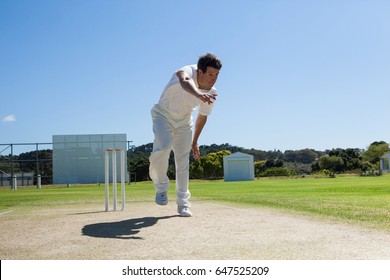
(123, 229)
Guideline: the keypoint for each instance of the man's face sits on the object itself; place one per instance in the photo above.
(207, 79)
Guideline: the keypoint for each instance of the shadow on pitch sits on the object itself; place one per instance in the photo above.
(122, 229)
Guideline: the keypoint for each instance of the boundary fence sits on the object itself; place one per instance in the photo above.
(40, 170)
(10, 161)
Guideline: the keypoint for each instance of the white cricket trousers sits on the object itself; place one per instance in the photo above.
(171, 133)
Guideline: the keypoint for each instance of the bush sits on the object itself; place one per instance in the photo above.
(276, 171)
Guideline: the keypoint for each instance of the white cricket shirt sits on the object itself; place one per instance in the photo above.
(179, 102)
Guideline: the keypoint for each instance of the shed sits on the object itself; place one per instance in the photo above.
(384, 162)
(238, 167)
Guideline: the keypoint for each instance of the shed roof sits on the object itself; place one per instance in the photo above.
(239, 155)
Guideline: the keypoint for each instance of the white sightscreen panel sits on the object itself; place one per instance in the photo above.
(79, 159)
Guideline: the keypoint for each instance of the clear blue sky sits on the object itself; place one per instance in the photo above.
(296, 74)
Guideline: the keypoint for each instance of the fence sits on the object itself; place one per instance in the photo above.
(22, 179)
(28, 168)
(27, 164)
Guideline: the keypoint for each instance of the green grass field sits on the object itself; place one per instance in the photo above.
(358, 200)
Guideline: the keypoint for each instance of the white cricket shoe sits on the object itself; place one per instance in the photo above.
(184, 211)
(162, 198)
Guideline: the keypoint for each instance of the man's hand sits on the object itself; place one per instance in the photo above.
(199, 124)
(208, 97)
(195, 151)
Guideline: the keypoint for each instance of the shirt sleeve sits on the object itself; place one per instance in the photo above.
(190, 70)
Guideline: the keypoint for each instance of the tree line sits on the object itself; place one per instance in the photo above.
(270, 163)
(210, 166)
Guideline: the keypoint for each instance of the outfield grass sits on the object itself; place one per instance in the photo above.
(359, 200)
(363, 200)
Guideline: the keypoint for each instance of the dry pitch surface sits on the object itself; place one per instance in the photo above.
(148, 231)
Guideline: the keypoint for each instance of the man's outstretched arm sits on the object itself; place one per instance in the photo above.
(199, 124)
(188, 84)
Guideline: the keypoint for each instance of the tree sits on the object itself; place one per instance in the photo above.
(138, 161)
(209, 166)
(302, 156)
(260, 167)
(140, 167)
(352, 159)
(332, 163)
(375, 151)
(196, 170)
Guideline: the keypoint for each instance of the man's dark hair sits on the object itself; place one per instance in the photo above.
(209, 60)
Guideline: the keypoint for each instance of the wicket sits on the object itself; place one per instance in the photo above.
(114, 176)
